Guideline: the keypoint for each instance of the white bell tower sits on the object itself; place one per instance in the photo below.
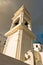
(20, 37)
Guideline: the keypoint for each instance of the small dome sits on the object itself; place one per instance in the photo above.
(36, 41)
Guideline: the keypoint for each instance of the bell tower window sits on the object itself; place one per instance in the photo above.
(25, 23)
(16, 22)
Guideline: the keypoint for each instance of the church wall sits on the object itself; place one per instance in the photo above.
(41, 53)
(30, 58)
(26, 44)
(11, 45)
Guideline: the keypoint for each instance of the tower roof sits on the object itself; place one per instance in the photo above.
(21, 9)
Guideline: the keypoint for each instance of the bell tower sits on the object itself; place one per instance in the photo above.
(20, 37)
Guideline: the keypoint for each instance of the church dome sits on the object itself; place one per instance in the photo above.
(36, 41)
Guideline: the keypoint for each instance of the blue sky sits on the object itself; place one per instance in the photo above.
(40, 37)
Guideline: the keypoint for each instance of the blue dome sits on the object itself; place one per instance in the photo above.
(36, 41)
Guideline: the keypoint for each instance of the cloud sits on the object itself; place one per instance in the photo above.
(4, 2)
(9, 7)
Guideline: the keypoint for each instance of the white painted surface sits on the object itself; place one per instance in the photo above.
(41, 53)
(30, 60)
(37, 48)
(11, 45)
